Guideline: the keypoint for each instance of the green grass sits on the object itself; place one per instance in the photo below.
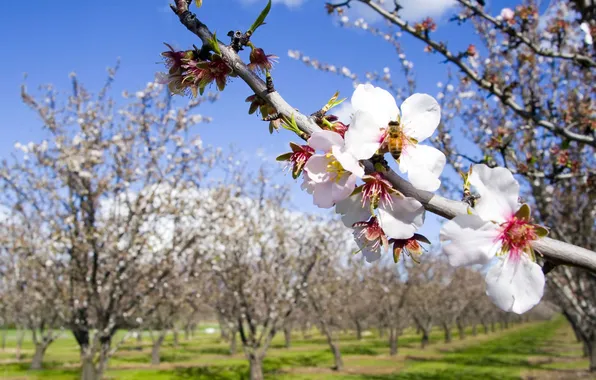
(542, 348)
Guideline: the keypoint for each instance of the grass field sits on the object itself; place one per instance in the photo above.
(540, 350)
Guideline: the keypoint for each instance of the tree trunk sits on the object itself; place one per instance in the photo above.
(288, 336)
(474, 331)
(493, 328)
(393, 341)
(187, 333)
(461, 329)
(381, 332)
(88, 371)
(485, 327)
(339, 363)
(233, 343)
(155, 350)
(139, 341)
(425, 338)
(175, 338)
(447, 330)
(40, 350)
(256, 366)
(591, 345)
(20, 337)
(223, 329)
(358, 330)
(4, 333)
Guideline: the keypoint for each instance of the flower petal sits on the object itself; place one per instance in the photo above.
(351, 210)
(348, 162)
(424, 165)
(376, 101)
(470, 239)
(307, 184)
(316, 168)
(421, 115)
(322, 195)
(498, 190)
(371, 256)
(402, 220)
(363, 138)
(515, 285)
(342, 189)
(324, 140)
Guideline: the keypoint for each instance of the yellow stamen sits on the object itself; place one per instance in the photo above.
(335, 167)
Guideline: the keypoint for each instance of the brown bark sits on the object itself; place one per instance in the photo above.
(592, 352)
(40, 350)
(461, 331)
(447, 330)
(393, 336)
(233, 340)
(358, 329)
(256, 366)
(88, 371)
(20, 337)
(287, 336)
(156, 349)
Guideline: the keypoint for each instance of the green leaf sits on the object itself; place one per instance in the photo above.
(565, 144)
(261, 19)
(524, 212)
(396, 254)
(296, 173)
(198, 3)
(295, 147)
(215, 44)
(284, 157)
(541, 231)
(421, 238)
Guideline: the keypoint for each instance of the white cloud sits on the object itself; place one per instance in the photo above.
(289, 3)
(413, 10)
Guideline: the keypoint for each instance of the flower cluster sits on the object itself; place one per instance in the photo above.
(187, 72)
(498, 227)
(379, 215)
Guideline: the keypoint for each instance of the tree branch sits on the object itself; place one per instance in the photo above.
(556, 251)
(483, 83)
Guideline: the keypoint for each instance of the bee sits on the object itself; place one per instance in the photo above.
(394, 139)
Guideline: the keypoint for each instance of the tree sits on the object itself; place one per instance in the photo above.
(540, 123)
(261, 257)
(106, 185)
(391, 305)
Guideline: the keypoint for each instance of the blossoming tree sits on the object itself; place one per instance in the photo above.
(104, 188)
(345, 166)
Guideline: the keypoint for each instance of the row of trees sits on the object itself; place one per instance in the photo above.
(517, 92)
(112, 224)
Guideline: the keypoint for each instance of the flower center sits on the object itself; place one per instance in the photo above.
(371, 235)
(334, 167)
(377, 190)
(516, 235)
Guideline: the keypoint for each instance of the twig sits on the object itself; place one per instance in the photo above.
(554, 250)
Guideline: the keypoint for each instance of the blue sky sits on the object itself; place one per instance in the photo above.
(49, 39)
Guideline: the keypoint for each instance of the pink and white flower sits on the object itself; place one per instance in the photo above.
(420, 114)
(499, 227)
(585, 27)
(378, 212)
(330, 177)
(507, 15)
